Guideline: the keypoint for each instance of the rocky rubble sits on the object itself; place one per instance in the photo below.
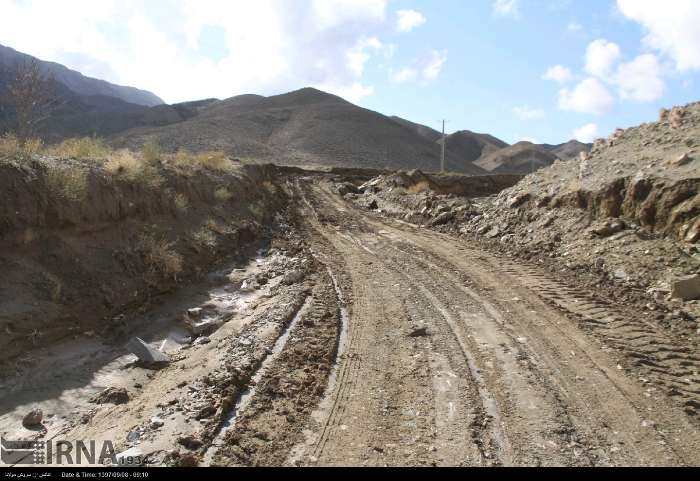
(627, 215)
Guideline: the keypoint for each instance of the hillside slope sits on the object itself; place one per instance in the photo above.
(79, 83)
(520, 158)
(305, 127)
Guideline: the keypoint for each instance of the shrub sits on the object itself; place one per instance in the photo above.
(134, 169)
(67, 182)
(222, 194)
(212, 160)
(159, 256)
(11, 148)
(181, 202)
(151, 152)
(86, 148)
(204, 237)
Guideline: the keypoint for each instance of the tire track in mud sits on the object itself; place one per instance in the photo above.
(487, 429)
(648, 350)
(272, 423)
(657, 447)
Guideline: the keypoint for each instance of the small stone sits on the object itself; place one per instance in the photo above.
(33, 418)
(156, 422)
(190, 442)
(420, 332)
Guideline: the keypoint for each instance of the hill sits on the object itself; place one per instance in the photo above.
(520, 158)
(305, 127)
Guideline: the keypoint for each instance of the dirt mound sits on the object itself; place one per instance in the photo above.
(306, 127)
(521, 158)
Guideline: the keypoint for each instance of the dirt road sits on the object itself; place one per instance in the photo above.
(455, 357)
(397, 346)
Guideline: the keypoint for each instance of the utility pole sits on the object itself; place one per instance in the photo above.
(442, 155)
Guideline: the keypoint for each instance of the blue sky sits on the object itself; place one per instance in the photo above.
(542, 70)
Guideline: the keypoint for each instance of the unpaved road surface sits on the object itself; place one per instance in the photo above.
(394, 345)
(504, 375)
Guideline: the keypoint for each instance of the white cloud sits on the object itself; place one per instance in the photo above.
(672, 28)
(586, 134)
(528, 113)
(406, 74)
(425, 69)
(506, 8)
(270, 46)
(574, 27)
(407, 20)
(432, 68)
(640, 79)
(601, 57)
(358, 55)
(558, 73)
(589, 96)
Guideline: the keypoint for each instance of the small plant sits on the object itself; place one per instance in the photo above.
(86, 148)
(181, 202)
(270, 187)
(159, 256)
(204, 237)
(124, 163)
(257, 211)
(213, 160)
(222, 194)
(151, 152)
(11, 148)
(67, 182)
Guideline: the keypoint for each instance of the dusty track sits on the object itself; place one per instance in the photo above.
(399, 346)
(509, 372)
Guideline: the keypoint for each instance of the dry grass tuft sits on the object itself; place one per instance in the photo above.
(212, 160)
(159, 256)
(11, 148)
(222, 194)
(86, 148)
(67, 182)
(151, 152)
(124, 163)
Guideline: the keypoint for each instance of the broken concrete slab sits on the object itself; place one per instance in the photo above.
(686, 288)
(146, 353)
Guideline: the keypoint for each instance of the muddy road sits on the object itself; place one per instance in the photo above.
(370, 341)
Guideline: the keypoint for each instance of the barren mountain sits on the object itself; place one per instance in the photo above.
(472, 146)
(569, 150)
(306, 127)
(521, 158)
(80, 84)
(422, 130)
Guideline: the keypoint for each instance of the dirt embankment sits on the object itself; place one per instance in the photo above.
(79, 245)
